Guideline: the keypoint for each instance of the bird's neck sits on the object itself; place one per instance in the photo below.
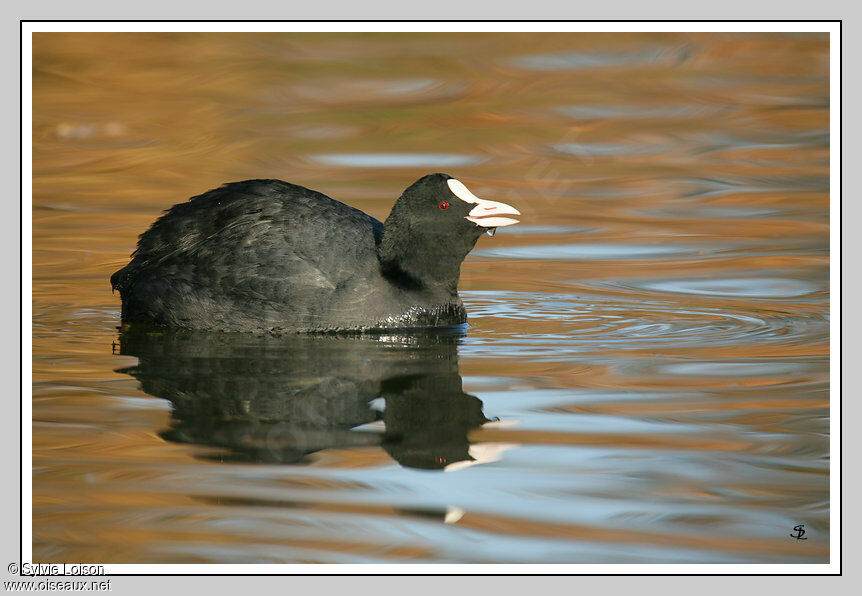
(419, 264)
(416, 271)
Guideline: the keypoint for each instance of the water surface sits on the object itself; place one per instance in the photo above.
(644, 378)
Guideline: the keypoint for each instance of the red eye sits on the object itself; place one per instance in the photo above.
(443, 205)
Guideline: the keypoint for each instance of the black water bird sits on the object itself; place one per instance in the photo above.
(269, 256)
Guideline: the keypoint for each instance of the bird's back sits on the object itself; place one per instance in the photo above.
(259, 254)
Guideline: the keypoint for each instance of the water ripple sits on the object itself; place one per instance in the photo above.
(592, 322)
(583, 60)
(591, 251)
(638, 112)
(396, 160)
(760, 287)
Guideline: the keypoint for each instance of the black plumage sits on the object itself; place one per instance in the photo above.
(269, 256)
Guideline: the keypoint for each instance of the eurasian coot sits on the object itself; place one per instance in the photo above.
(266, 255)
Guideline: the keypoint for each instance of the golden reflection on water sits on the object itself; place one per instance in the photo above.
(653, 337)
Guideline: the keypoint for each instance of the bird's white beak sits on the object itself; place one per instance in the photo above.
(488, 214)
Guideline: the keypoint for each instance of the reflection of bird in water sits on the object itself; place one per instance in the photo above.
(427, 419)
(278, 399)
